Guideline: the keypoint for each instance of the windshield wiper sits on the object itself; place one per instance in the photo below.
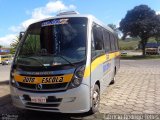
(35, 60)
(58, 55)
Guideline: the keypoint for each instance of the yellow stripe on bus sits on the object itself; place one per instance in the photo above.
(43, 80)
(99, 61)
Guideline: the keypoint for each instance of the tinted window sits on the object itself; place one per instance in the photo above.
(116, 43)
(107, 44)
(112, 42)
(98, 37)
(97, 41)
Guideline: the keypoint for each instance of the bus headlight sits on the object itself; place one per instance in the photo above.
(77, 78)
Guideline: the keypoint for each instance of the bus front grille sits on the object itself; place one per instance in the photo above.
(44, 87)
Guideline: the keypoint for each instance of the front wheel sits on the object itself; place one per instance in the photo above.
(95, 99)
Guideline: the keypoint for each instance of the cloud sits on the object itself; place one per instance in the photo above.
(118, 23)
(16, 29)
(7, 40)
(158, 12)
(50, 9)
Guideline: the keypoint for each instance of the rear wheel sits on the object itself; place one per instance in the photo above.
(95, 99)
(113, 79)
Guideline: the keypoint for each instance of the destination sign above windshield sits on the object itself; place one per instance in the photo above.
(54, 22)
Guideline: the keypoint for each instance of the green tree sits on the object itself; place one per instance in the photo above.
(157, 38)
(139, 22)
(0, 46)
(14, 45)
(113, 26)
(157, 34)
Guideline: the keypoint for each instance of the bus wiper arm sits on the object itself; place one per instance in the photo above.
(35, 60)
(65, 59)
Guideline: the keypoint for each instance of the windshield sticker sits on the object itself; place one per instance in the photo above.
(46, 64)
(55, 22)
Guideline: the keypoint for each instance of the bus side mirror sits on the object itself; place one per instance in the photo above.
(21, 35)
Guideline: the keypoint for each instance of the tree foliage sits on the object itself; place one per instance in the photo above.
(139, 22)
(157, 34)
(14, 45)
(114, 27)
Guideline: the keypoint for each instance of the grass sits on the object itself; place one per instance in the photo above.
(139, 57)
(132, 43)
(127, 45)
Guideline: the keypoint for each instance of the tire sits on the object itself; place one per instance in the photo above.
(113, 79)
(95, 99)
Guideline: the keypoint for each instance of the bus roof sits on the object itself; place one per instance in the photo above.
(90, 17)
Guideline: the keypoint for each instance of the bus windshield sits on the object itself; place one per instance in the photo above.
(54, 42)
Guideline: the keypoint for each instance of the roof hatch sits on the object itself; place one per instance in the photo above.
(67, 13)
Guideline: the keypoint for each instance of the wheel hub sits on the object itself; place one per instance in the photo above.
(95, 99)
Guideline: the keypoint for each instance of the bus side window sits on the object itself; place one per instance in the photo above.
(98, 38)
(106, 41)
(92, 42)
(116, 43)
(112, 40)
(97, 41)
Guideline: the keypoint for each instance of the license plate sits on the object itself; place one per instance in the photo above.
(38, 99)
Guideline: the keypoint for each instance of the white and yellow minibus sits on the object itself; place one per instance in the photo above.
(63, 64)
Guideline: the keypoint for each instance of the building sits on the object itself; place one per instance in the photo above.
(153, 48)
(4, 51)
(152, 45)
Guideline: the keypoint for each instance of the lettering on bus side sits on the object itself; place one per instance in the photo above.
(28, 79)
(106, 67)
(52, 80)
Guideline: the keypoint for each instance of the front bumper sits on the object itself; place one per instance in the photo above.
(75, 100)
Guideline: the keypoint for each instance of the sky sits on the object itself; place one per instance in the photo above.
(16, 15)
